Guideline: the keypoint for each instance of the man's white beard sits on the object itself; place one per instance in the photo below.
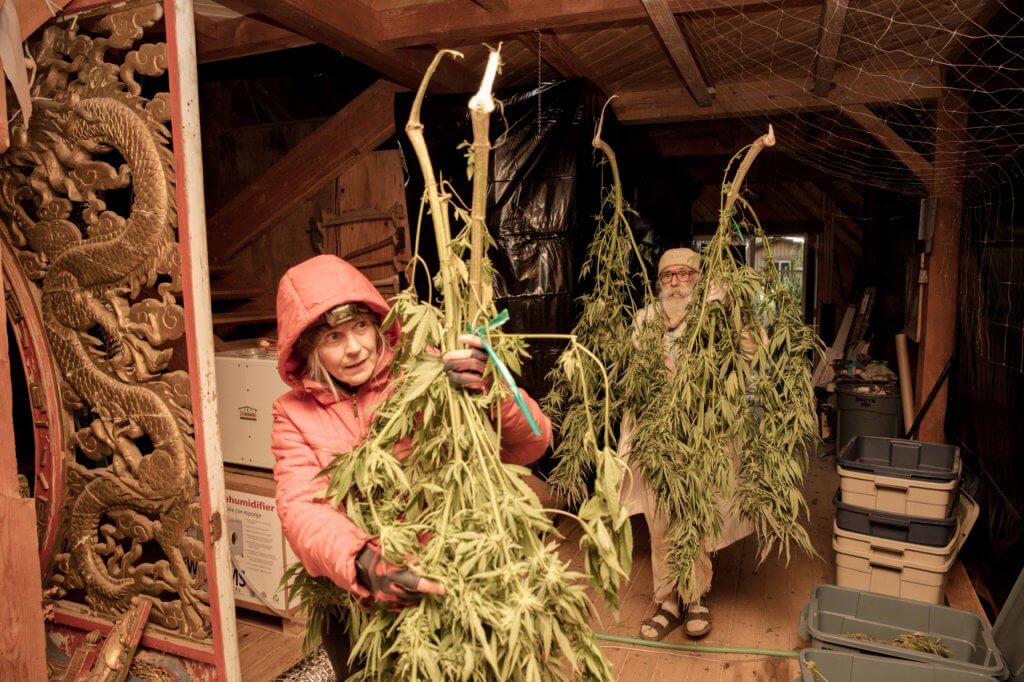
(674, 304)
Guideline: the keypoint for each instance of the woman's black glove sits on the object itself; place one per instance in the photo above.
(390, 584)
(465, 367)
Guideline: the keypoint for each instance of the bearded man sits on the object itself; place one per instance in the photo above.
(679, 271)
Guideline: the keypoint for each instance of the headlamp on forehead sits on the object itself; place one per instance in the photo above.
(344, 313)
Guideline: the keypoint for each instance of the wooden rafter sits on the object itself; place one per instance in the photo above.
(891, 140)
(447, 24)
(493, 5)
(830, 34)
(678, 49)
(753, 98)
(558, 55)
(320, 158)
(231, 38)
(352, 27)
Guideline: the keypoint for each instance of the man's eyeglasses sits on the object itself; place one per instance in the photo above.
(684, 275)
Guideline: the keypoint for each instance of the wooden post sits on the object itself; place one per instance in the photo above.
(941, 295)
(195, 277)
(21, 614)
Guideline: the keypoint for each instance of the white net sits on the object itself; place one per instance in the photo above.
(893, 63)
(923, 98)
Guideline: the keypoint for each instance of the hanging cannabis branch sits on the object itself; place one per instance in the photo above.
(700, 432)
(608, 313)
(513, 610)
(694, 438)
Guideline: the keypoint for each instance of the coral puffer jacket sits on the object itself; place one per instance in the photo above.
(311, 426)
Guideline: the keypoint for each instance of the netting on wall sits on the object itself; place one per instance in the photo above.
(893, 63)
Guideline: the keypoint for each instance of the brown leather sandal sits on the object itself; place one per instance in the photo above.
(698, 619)
(673, 621)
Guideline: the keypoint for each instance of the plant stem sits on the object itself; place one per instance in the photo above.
(480, 107)
(599, 143)
(766, 140)
(438, 213)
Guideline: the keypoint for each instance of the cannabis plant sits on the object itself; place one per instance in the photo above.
(451, 507)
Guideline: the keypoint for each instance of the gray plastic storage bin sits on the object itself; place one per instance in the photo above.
(835, 613)
(915, 529)
(866, 414)
(846, 666)
(902, 458)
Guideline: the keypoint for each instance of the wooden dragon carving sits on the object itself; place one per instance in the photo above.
(87, 199)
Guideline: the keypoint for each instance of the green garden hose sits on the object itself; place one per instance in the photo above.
(696, 647)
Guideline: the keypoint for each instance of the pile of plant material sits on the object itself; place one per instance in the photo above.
(512, 608)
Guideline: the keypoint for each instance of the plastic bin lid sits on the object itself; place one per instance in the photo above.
(901, 458)
(1008, 631)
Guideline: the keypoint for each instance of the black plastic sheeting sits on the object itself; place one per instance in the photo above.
(544, 191)
(987, 392)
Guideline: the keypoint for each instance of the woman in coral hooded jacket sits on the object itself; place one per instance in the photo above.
(331, 351)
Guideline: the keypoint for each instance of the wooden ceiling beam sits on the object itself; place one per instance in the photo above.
(678, 49)
(242, 37)
(776, 96)
(459, 24)
(493, 5)
(830, 34)
(560, 58)
(891, 140)
(352, 27)
(362, 125)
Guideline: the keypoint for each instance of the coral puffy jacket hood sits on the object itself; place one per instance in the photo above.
(309, 290)
(312, 425)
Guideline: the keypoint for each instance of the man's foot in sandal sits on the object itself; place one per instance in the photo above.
(698, 619)
(657, 627)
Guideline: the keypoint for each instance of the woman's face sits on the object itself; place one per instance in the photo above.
(349, 351)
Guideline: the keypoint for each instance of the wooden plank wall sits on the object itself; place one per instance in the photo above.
(238, 156)
(375, 182)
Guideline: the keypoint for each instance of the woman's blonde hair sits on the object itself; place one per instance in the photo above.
(314, 370)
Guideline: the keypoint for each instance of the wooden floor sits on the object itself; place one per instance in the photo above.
(752, 606)
(265, 652)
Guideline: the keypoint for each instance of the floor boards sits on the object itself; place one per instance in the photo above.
(753, 605)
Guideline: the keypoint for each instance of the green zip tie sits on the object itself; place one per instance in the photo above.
(481, 333)
(699, 648)
(739, 231)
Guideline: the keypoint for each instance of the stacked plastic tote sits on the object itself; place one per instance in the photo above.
(900, 519)
(856, 634)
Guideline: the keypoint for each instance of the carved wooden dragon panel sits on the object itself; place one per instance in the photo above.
(87, 203)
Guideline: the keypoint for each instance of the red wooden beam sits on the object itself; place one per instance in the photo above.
(451, 23)
(941, 294)
(21, 613)
(493, 5)
(353, 28)
(241, 37)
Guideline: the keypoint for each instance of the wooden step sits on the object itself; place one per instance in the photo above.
(245, 317)
(220, 269)
(238, 294)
